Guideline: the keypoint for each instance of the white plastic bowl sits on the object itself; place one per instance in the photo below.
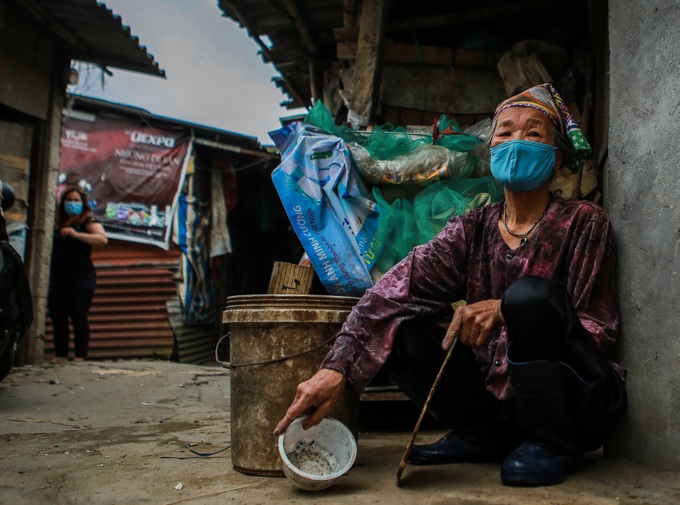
(314, 459)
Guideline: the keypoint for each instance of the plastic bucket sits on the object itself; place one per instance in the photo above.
(277, 341)
(316, 458)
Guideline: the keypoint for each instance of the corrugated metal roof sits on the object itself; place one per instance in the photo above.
(94, 105)
(289, 52)
(303, 31)
(93, 34)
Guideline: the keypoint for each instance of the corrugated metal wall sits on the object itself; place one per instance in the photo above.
(193, 343)
(129, 316)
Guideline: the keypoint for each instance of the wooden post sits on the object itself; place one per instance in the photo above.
(39, 240)
(290, 279)
(349, 12)
(367, 67)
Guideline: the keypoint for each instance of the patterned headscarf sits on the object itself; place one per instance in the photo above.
(547, 100)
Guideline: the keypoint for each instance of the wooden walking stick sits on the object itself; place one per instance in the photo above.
(402, 465)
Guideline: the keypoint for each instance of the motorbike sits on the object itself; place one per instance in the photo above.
(16, 305)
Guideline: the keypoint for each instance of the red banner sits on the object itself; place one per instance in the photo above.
(132, 174)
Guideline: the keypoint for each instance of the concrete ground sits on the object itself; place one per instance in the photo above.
(100, 433)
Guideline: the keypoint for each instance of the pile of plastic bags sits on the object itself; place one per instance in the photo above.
(419, 182)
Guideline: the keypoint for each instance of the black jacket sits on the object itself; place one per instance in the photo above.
(16, 304)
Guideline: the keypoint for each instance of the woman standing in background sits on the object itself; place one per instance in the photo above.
(72, 275)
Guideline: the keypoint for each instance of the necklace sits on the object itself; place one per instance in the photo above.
(522, 236)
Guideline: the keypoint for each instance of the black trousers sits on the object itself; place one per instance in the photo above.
(565, 394)
(72, 302)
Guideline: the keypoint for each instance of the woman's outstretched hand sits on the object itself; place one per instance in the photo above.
(315, 397)
(473, 324)
(68, 231)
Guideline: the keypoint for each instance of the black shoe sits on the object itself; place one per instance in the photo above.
(453, 448)
(535, 464)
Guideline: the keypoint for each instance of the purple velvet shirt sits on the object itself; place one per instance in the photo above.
(470, 261)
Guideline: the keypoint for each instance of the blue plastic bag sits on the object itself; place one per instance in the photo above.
(329, 208)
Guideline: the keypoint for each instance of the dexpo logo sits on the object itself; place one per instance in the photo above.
(154, 140)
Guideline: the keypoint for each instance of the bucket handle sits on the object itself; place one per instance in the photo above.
(231, 366)
(225, 364)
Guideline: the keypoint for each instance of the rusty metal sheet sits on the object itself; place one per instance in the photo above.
(129, 317)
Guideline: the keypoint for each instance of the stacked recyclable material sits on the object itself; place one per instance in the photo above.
(417, 182)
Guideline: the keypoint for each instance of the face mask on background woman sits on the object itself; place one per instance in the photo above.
(73, 208)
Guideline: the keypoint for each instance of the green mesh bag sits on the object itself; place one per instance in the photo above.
(387, 141)
(404, 234)
(448, 134)
(419, 219)
(433, 207)
(320, 117)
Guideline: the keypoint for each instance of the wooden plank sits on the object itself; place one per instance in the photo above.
(521, 72)
(349, 12)
(416, 117)
(426, 55)
(437, 89)
(331, 89)
(290, 279)
(401, 53)
(452, 19)
(384, 396)
(383, 393)
(367, 67)
(475, 15)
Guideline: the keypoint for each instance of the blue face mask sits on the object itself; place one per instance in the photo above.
(522, 165)
(73, 208)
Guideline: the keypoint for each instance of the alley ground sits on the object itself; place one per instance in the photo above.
(120, 432)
